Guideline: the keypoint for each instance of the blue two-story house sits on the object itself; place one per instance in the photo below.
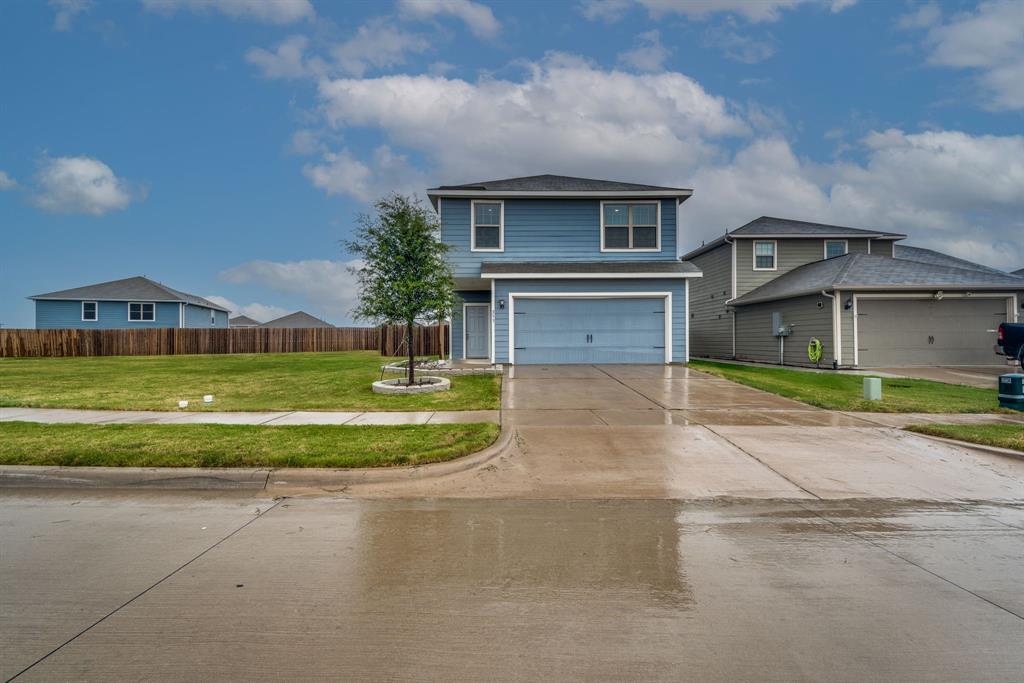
(131, 303)
(554, 269)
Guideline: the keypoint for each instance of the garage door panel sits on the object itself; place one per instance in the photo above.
(613, 330)
(894, 332)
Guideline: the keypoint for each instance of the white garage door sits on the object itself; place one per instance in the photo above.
(894, 332)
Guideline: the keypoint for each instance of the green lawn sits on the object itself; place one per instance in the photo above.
(837, 391)
(278, 381)
(1001, 435)
(147, 445)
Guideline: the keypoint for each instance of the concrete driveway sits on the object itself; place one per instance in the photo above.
(585, 432)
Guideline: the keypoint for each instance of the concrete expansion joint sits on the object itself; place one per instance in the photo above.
(759, 460)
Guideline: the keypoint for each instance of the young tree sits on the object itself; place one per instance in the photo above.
(404, 277)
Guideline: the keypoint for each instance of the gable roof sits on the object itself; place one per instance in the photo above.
(549, 185)
(869, 271)
(242, 321)
(129, 289)
(297, 319)
(905, 251)
(770, 226)
(1018, 273)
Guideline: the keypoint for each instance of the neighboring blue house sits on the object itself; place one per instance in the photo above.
(132, 303)
(553, 269)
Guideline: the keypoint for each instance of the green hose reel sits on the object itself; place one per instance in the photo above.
(814, 350)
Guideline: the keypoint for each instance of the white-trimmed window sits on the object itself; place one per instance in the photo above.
(835, 248)
(765, 254)
(90, 311)
(630, 226)
(213, 317)
(141, 312)
(488, 226)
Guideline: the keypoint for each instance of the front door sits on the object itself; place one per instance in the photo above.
(478, 331)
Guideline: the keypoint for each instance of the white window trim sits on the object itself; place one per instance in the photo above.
(472, 225)
(213, 317)
(142, 312)
(775, 254)
(96, 312)
(512, 296)
(846, 247)
(490, 331)
(629, 250)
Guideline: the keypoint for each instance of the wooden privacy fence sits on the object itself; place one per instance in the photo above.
(428, 340)
(17, 343)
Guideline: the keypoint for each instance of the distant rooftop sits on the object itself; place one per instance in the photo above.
(137, 288)
(1018, 273)
(297, 319)
(243, 321)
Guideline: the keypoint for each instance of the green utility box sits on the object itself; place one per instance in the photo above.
(873, 388)
(1011, 391)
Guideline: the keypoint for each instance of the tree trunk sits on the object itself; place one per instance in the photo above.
(412, 355)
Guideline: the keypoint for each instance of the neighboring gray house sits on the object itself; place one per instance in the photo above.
(870, 301)
(243, 321)
(131, 303)
(297, 319)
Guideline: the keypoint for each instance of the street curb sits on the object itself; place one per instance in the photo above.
(994, 450)
(253, 479)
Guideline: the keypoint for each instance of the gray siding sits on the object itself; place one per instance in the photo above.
(462, 297)
(545, 230)
(754, 339)
(882, 247)
(790, 254)
(846, 328)
(675, 285)
(710, 322)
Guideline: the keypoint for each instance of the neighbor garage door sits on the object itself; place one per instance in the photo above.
(895, 332)
(614, 330)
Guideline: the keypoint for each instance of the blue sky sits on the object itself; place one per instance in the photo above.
(224, 147)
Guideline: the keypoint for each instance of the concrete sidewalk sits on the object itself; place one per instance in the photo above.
(59, 415)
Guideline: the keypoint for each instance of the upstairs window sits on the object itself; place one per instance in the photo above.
(835, 248)
(141, 312)
(488, 226)
(764, 254)
(213, 317)
(633, 226)
(90, 311)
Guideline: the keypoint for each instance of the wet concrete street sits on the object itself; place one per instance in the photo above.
(180, 586)
(645, 523)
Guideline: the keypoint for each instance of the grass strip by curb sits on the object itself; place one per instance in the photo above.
(1000, 435)
(214, 445)
(837, 391)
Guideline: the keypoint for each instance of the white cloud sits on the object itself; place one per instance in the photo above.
(323, 285)
(67, 10)
(990, 41)
(565, 116)
(478, 17)
(648, 55)
(924, 16)
(258, 312)
(81, 185)
(339, 173)
(377, 43)
(752, 10)
(266, 11)
(737, 47)
(287, 60)
(7, 182)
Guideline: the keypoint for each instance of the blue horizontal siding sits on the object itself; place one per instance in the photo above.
(503, 288)
(111, 315)
(461, 297)
(545, 230)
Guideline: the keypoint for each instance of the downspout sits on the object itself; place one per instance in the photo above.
(836, 353)
(181, 315)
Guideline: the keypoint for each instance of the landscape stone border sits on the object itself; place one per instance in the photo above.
(428, 385)
(403, 367)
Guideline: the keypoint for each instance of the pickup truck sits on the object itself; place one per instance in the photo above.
(1010, 342)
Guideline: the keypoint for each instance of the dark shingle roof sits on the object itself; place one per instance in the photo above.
(586, 267)
(297, 319)
(937, 258)
(130, 289)
(555, 183)
(243, 321)
(1018, 273)
(867, 271)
